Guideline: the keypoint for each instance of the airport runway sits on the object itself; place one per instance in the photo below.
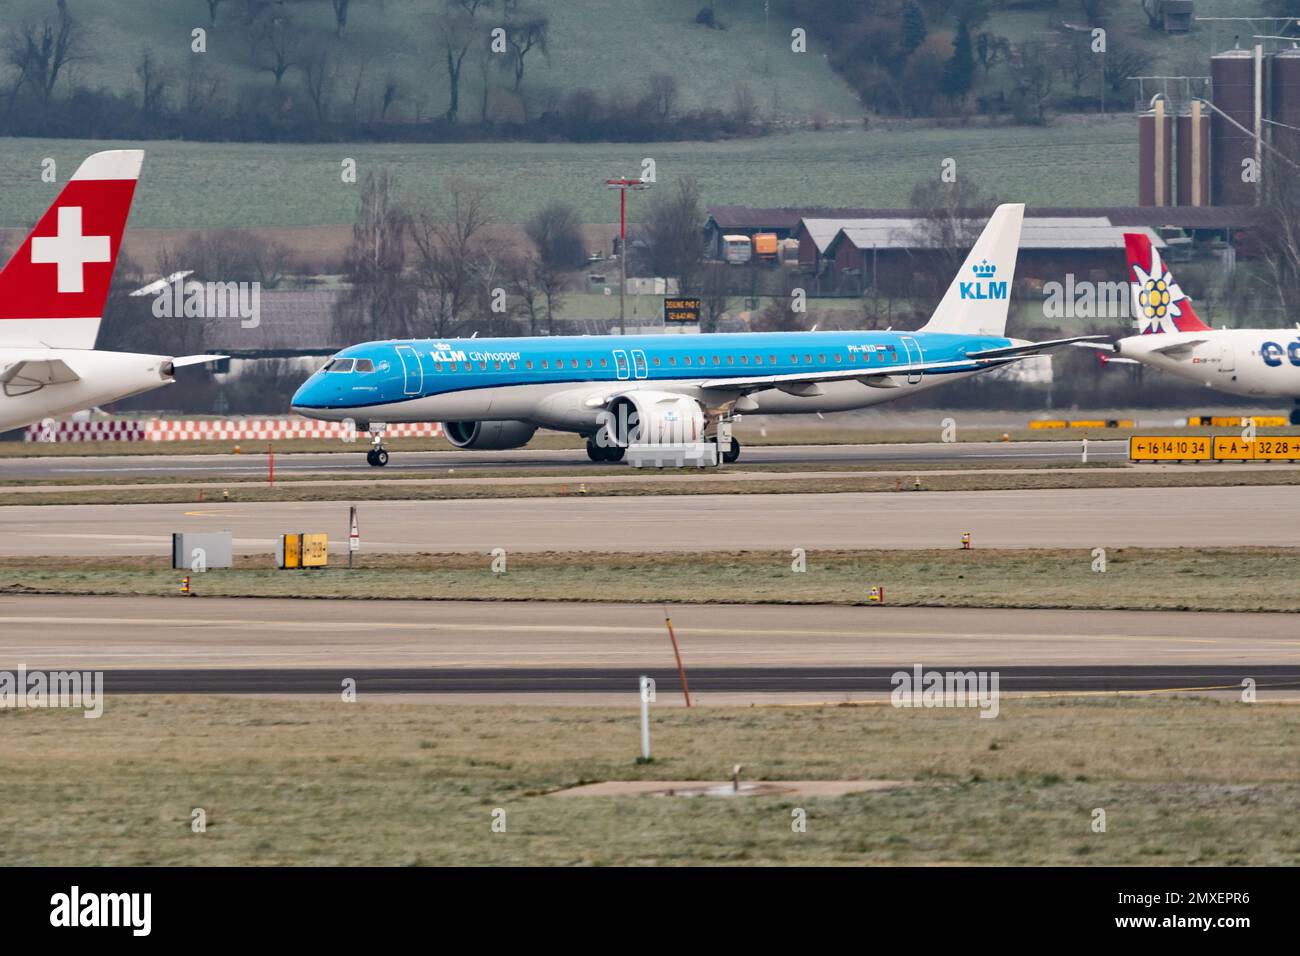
(254, 464)
(1057, 518)
(270, 635)
(707, 680)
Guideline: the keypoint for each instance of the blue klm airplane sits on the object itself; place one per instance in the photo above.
(659, 389)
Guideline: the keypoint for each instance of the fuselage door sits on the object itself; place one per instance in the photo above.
(412, 369)
(914, 357)
(620, 364)
(639, 364)
(1227, 356)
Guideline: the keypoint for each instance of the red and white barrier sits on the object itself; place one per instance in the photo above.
(225, 429)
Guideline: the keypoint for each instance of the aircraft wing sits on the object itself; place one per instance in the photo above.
(1035, 348)
(805, 383)
(32, 374)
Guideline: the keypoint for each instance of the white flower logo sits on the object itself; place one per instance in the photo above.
(1157, 297)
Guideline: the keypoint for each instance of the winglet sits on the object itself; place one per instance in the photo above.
(976, 302)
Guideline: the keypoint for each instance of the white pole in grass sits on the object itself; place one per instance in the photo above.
(646, 684)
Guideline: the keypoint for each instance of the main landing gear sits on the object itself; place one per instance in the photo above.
(731, 453)
(601, 452)
(376, 457)
(1295, 413)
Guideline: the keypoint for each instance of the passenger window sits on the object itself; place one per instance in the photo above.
(716, 360)
(656, 360)
(853, 356)
(794, 360)
(731, 360)
(468, 367)
(672, 360)
(822, 358)
(687, 360)
(758, 360)
(604, 363)
(544, 365)
(808, 359)
(437, 366)
(512, 363)
(528, 364)
(482, 366)
(744, 360)
(701, 359)
(573, 363)
(588, 363)
(837, 357)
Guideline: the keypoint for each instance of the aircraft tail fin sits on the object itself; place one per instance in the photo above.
(53, 290)
(976, 302)
(1158, 304)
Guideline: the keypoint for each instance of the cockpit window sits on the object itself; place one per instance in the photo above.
(365, 365)
(339, 365)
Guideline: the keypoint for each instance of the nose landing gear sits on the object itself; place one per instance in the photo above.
(377, 457)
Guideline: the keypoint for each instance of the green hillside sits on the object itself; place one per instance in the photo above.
(593, 43)
(205, 185)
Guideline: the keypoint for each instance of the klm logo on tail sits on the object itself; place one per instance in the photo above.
(984, 287)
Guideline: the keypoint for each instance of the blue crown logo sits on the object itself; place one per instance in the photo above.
(984, 269)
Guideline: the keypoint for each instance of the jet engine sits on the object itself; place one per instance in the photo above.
(488, 436)
(653, 418)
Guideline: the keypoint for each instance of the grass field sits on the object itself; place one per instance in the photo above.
(1182, 781)
(249, 185)
(901, 480)
(1261, 579)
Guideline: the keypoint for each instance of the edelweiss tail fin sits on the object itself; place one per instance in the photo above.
(1158, 304)
(53, 290)
(976, 302)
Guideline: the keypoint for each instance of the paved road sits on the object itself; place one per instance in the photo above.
(255, 465)
(731, 680)
(1061, 518)
(273, 634)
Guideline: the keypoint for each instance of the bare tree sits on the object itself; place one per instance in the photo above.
(319, 73)
(392, 93)
(154, 80)
(279, 43)
(1278, 235)
(674, 234)
(380, 302)
(662, 95)
(41, 52)
(460, 31)
(525, 31)
(340, 15)
(450, 255)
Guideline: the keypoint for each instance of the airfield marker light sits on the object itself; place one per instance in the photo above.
(582, 488)
(1006, 436)
(898, 484)
(238, 451)
(965, 541)
(200, 494)
(1084, 457)
(916, 483)
(876, 594)
(225, 494)
(270, 464)
(681, 671)
(185, 585)
(735, 778)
